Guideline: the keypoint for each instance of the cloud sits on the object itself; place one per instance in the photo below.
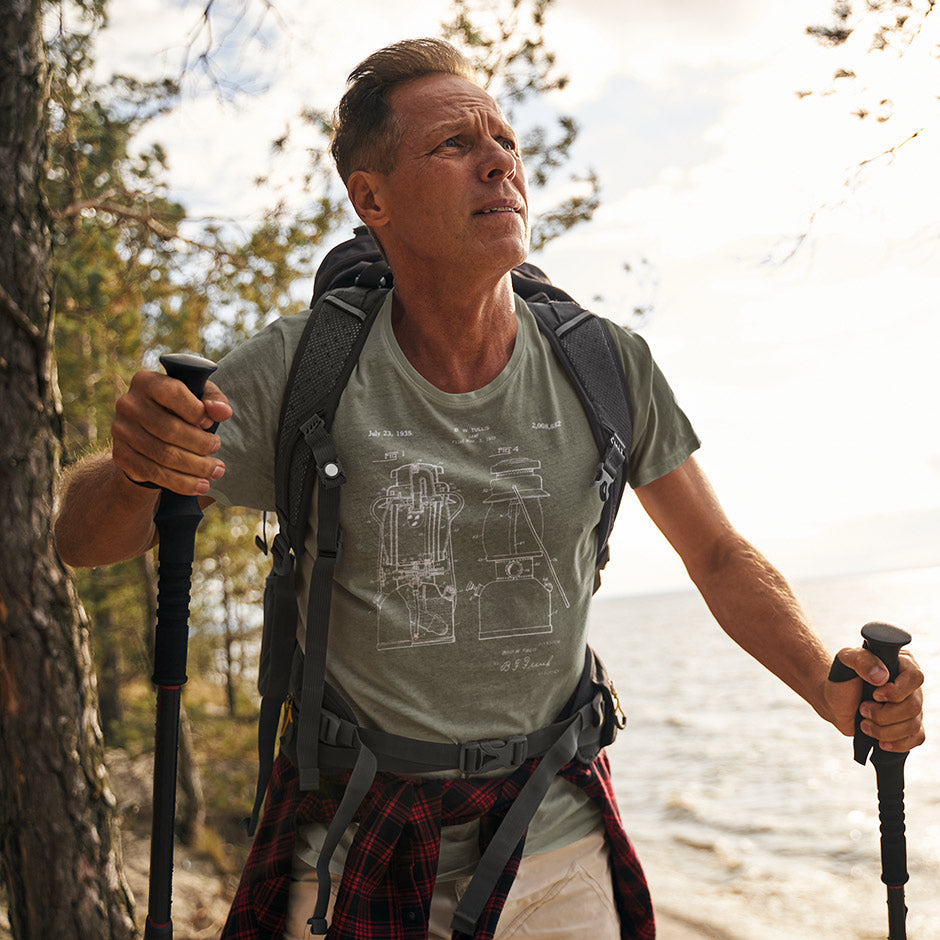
(657, 43)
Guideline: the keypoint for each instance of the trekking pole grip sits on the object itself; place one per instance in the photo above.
(885, 641)
(192, 371)
(177, 518)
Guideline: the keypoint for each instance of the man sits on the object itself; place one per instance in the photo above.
(469, 531)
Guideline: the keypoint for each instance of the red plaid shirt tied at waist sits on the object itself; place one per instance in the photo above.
(391, 867)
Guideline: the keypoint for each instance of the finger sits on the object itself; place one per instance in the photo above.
(909, 680)
(168, 443)
(216, 405)
(167, 410)
(897, 726)
(865, 664)
(174, 469)
(909, 709)
(142, 455)
(899, 736)
(156, 446)
(169, 393)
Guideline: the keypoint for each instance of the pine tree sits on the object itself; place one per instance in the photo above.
(57, 834)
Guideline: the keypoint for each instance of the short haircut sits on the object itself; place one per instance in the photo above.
(365, 133)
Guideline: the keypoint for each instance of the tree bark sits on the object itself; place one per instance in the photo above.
(58, 841)
(191, 805)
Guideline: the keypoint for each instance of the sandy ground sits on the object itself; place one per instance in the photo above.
(195, 908)
(200, 902)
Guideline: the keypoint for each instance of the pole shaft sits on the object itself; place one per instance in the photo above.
(176, 519)
(164, 808)
(897, 914)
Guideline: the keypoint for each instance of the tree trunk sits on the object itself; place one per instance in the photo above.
(58, 849)
(230, 689)
(191, 806)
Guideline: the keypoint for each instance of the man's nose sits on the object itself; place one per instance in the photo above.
(498, 163)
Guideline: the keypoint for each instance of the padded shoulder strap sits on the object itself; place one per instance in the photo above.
(329, 348)
(587, 352)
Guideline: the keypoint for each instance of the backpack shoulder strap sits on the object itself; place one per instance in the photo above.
(329, 347)
(306, 454)
(586, 350)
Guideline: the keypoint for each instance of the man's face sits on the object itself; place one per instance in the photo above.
(457, 194)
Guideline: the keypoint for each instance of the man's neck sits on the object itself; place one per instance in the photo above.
(458, 338)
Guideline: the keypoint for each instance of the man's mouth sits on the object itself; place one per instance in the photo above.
(497, 209)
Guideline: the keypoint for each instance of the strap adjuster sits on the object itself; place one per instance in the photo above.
(329, 469)
(478, 757)
(332, 730)
(330, 548)
(609, 467)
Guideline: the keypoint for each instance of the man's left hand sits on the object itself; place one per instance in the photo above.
(895, 718)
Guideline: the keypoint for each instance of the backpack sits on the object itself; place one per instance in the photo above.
(349, 290)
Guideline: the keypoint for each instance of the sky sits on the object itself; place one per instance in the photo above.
(788, 250)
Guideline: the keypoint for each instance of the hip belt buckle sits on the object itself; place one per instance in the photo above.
(482, 756)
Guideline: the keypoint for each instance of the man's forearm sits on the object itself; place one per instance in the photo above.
(758, 610)
(102, 517)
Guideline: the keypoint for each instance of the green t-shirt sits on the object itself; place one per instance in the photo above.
(460, 602)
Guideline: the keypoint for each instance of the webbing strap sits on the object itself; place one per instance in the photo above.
(319, 601)
(268, 720)
(512, 829)
(360, 780)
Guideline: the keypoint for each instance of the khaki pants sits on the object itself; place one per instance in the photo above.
(556, 896)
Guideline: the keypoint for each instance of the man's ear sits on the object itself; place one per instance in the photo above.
(364, 191)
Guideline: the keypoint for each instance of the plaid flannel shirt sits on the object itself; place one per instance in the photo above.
(385, 893)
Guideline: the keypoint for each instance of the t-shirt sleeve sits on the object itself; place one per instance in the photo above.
(253, 376)
(663, 437)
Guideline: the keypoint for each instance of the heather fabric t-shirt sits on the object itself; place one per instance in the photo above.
(460, 602)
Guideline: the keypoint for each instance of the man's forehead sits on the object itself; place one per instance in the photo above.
(441, 100)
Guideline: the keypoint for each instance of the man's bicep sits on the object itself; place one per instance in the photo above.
(685, 508)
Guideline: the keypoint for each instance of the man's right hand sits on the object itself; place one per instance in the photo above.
(160, 433)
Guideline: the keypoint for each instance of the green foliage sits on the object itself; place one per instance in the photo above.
(135, 277)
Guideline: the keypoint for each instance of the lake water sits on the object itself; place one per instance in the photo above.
(747, 810)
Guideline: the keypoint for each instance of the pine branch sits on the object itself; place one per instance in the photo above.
(20, 318)
(847, 184)
(105, 203)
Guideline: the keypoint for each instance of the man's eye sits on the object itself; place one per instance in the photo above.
(508, 144)
(451, 142)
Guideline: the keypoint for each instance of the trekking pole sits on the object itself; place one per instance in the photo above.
(885, 641)
(177, 518)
